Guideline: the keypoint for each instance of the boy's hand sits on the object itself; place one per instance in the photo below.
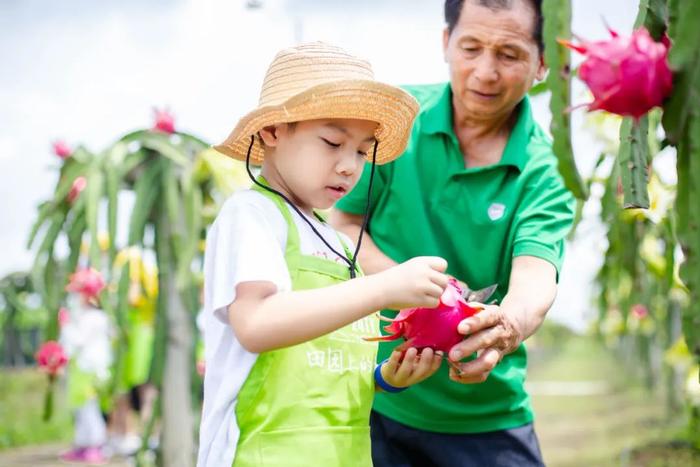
(413, 369)
(418, 282)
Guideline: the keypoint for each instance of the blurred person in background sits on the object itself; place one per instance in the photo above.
(86, 334)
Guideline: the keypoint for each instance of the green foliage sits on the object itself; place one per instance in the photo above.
(21, 406)
(557, 25)
(633, 159)
(640, 265)
(634, 155)
(22, 318)
(682, 125)
(177, 193)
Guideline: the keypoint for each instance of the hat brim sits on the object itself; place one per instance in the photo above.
(391, 107)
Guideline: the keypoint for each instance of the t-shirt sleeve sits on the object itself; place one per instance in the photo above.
(355, 202)
(545, 218)
(246, 243)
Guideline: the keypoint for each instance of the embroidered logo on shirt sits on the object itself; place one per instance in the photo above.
(325, 255)
(496, 211)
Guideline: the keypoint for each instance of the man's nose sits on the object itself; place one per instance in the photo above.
(486, 68)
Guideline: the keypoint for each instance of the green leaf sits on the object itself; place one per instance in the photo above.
(68, 175)
(45, 210)
(608, 202)
(94, 190)
(134, 136)
(165, 263)
(193, 207)
(653, 15)
(147, 188)
(75, 237)
(173, 203)
(557, 24)
(689, 235)
(678, 108)
(120, 317)
(682, 124)
(114, 161)
(633, 160)
(160, 144)
(539, 88)
(56, 224)
(200, 143)
(684, 33)
(684, 56)
(132, 161)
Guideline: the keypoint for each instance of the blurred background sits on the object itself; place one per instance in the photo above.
(86, 72)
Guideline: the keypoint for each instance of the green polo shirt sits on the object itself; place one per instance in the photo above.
(427, 203)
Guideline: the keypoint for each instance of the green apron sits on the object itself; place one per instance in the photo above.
(81, 386)
(139, 348)
(309, 404)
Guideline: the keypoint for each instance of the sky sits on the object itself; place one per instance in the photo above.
(87, 72)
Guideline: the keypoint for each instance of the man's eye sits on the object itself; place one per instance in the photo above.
(362, 153)
(330, 143)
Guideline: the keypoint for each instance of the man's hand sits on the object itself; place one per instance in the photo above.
(497, 331)
(493, 333)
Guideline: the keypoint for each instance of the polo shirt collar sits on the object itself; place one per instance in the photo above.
(437, 118)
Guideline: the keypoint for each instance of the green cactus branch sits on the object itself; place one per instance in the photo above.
(557, 25)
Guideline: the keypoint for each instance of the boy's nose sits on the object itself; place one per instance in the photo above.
(348, 164)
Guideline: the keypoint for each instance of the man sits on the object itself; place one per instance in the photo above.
(479, 186)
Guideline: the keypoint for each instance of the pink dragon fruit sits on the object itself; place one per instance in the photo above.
(61, 149)
(87, 282)
(51, 358)
(76, 188)
(639, 311)
(63, 317)
(628, 76)
(164, 121)
(431, 327)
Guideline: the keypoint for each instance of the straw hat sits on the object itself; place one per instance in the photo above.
(318, 81)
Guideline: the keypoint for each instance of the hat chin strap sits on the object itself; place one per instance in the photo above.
(352, 263)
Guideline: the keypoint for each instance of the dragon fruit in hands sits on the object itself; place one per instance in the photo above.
(431, 327)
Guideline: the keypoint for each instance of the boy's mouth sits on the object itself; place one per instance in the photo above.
(337, 190)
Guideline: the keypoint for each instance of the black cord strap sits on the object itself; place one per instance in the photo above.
(352, 263)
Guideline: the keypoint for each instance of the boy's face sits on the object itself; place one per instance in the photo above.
(316, 162)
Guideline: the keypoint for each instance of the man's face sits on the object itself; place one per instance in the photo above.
(493, 59)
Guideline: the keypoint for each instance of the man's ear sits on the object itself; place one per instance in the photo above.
(445, 42)
(541, 68)
(269, 135)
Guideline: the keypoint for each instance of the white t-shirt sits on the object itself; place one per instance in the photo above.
(246, 243)
(87, 338)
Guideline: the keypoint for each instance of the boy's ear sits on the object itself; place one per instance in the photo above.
(269, 135)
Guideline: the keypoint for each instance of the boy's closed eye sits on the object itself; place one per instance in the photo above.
(330, 143)
(360, 152)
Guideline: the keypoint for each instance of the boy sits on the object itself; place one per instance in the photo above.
(289, 378)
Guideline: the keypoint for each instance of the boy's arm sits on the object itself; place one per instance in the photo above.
(265, 320)
(371, 258)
